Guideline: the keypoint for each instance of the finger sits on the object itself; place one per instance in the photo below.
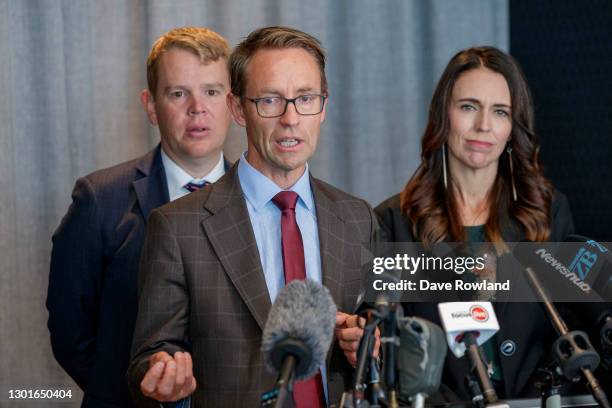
(349, 346)
(350, 334)
(355, 321)
(341, 318)
(351, 358)
(165, 387)
(179, 381)
(351, 321)
(188, 365)
(189, 388)
(190, 382)
(151, 378)
(159, 356)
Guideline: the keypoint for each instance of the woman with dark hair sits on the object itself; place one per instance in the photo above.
(480, 180)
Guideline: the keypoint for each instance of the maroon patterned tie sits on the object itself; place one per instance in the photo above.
(308, 393)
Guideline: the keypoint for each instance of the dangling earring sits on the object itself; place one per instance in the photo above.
(509, 150)
(444, 166)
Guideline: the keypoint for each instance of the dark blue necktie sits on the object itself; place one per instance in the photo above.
(191, 187)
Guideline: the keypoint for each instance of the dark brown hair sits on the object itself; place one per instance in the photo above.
(276, 37)
(433, 210)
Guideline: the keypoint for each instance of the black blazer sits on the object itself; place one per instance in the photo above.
(92, 297)
(524, 325)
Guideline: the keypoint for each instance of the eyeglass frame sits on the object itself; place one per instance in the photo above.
(256, 101)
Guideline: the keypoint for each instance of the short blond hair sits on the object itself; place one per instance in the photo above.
(202, 42)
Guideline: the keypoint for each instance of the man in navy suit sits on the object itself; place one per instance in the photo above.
(92, 297)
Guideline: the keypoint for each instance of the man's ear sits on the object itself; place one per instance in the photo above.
(149, 106)
(322, 115)
(235, 107)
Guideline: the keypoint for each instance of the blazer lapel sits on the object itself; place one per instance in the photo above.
(230, 233)
(152, 187)
(331, 229)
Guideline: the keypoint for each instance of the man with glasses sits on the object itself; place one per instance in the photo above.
(214, 261)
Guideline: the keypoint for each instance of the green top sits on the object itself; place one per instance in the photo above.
(475, 233)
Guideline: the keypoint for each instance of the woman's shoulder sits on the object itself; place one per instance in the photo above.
(559, 201)
(562, 221)
(391, 204)
(394, 224)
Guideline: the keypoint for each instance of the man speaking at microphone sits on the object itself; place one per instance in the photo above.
(214, 261)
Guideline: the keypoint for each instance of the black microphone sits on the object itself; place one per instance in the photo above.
(297, 336)
(593, 262)
(370, 297)
(605, 338)
(382, 306)
(420, 359)
(577, 270)
(572, 351)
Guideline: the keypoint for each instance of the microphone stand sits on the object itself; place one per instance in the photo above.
(577, 356)
(390, 341)
(364, 355)
(469, 339)
(549, 385)
(474, 388)
(605, 339)
(280, 396)
(377, 394)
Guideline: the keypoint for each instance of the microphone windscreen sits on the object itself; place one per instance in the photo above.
(303, 314)
(576, 270)
(593, 262)
(421, 356)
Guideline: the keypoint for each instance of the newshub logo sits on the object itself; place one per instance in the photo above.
(559, 267)
(479, 313)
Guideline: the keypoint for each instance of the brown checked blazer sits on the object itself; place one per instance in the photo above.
(202, 288)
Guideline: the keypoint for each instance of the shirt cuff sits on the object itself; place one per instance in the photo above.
(184, 403)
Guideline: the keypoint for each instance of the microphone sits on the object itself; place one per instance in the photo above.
(579, 269)
(459, 318)
(605, 338)
(468, 325)
(420, 359)
(572, 351)
(297, 336)
(370, 298)
(380, 306)
(592, 262)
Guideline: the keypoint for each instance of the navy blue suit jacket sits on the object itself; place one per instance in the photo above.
(92, 297)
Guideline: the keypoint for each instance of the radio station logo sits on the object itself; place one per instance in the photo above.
(583, 262)
(479, 313)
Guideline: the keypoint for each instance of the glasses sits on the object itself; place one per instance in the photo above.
(276, 106)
